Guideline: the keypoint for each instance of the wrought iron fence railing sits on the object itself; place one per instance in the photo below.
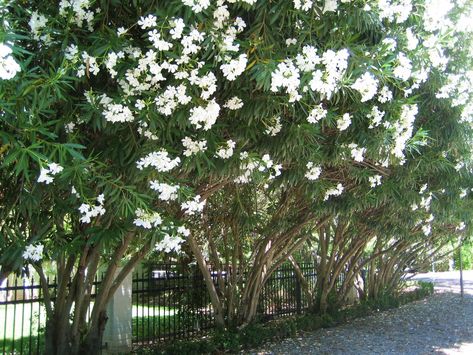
(167, 304)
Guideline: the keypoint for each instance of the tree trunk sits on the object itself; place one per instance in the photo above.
(56, 335)
(92, 344)
(219, 319)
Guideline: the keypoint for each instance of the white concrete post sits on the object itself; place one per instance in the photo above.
(117, 334)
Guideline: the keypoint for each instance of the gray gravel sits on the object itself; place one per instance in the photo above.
(441, 324)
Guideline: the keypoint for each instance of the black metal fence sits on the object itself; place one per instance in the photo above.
(167, 304)
(22, 317)
(282, 294)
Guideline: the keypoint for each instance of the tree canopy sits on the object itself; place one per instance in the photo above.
(234, 130)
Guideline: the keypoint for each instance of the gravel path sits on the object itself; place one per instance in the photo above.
(441, 324)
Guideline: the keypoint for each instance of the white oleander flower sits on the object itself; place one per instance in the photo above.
(335, 191)
(286, 76)
(33, 252)
(205, 117)
(316, 114)
(89, 211)
(304, 5)
(403, 70)
(170, 244)
(426, 229)
(147, 22)
(375, 180)
(193, 147)
(313, 171)
(234, 103)
(8, 66)
(160, 160)
(37, 23)
(235, 67)
(367, 86)
(375, 116)
(166, 192)
(385, 95)
(197, 5)
(459, 166)
(344, 122)
(46, 174)
(71, 53)
(275, 127)
(460, 226)
(356, 152)
(330, 6)
(147, 220)
(193, 206)
(412, 40)
(118, 113)
(226, 151)
(291, 41)
(177, 25)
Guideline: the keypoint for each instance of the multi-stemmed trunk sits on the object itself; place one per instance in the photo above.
(235, 300)
(69, 330)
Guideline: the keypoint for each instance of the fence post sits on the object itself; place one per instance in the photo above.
(117, 337)
(298, 295)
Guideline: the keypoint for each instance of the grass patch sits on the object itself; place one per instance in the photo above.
(22, 328)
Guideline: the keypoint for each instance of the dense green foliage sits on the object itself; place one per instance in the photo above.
(233, 133)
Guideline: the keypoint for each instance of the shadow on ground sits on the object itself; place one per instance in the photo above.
(441, 324)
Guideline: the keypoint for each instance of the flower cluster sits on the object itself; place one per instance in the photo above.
(235, 67)
(304, 5)
(205, 117)
(385, 95)
(193, 147)
(403, 129)
(313, 171)
(194, 206)
(344, 122)
(160, 160)
(356, 152)
(166, 192)
(81, 12)
(394, 10)
(226, 151)
(334, 191)
(275, 126)
(375, 117)
(118, 113)
(250, 165)
(8, 65)
(367, 86)
(147, 220)
(326, 82)
(287, 77)
(170, 99)
(197, 5)
(89, 211)
(403, 70)
(169, 244)
(375, 180)
(234, 103)
(323, 80)
(46, 174)
(37, 23)
(33, 252)
(316, 114)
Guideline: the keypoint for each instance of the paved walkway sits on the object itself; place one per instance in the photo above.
(441, 324)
